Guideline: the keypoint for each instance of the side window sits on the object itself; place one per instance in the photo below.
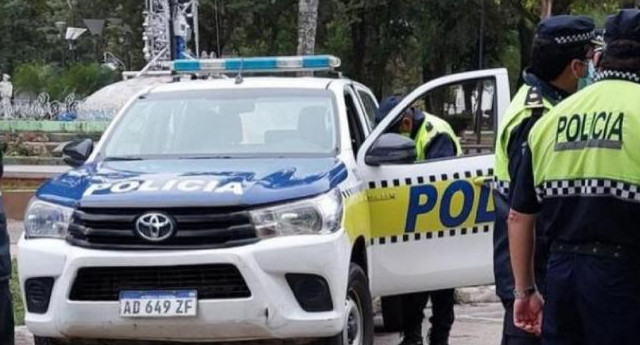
(356, 132)
(468, 107)
(370, 108)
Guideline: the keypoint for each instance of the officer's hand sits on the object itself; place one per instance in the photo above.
(527, 313)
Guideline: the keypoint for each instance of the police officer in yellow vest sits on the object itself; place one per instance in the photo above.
(580, 176)
(434, 138)
(559, 60)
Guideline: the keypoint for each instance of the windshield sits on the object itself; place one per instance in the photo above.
(226, 123)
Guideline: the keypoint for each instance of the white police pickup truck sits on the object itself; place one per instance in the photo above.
(251, 208)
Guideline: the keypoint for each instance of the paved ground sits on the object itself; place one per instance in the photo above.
(476, 323)
(15, 231)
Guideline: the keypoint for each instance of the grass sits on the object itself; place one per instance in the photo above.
(18, 306)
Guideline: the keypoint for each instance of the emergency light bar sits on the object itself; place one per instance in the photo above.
(258, 64)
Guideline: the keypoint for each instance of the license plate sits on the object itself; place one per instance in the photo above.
(158, 303)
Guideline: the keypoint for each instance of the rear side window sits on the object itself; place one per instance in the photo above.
(370, 107)
(355, 129)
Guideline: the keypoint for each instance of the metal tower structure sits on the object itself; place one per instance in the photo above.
(168, 25)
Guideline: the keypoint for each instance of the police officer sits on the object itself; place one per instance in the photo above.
(580, 173)
(434, 138)
(559, 59)
(6, 309)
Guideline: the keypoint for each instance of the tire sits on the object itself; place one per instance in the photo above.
(359, 313)
(46, 341)
(392, 313)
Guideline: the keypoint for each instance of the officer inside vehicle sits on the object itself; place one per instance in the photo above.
(6, 306)
(583, 185)
(434, 138)
(560, 64)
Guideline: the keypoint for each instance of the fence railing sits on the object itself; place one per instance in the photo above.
(43, 108)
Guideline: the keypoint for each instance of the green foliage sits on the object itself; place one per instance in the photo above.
(391, 46)
(81, 79)
(18, 306)
(34, 78)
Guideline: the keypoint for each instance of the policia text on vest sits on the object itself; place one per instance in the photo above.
(598, 129)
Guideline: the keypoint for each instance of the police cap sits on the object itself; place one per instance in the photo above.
(624, 25)
(566, 29)
(386, 105)
(389, 103)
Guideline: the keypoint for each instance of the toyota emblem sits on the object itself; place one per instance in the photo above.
(155, 227)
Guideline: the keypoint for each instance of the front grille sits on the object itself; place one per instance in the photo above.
(112, 228)
(219, 281)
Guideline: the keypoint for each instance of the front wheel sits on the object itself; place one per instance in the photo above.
(358, 311)
(46, 341)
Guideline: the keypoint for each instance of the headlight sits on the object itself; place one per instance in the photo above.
(319, 215)
(44, 219)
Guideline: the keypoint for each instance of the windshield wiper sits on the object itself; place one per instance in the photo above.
(122, 158)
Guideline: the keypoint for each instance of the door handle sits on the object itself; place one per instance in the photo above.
(483, 180)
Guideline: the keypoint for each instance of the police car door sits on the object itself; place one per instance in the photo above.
(432, 221)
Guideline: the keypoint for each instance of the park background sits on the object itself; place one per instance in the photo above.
(392, 46)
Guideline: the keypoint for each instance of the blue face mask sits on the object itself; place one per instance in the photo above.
(589, 78)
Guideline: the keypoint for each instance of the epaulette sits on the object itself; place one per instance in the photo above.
(534, 99)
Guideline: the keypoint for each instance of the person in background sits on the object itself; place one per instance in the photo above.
(6, 306)
(434, 138)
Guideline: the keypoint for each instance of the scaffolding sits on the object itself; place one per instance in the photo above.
(168, 25)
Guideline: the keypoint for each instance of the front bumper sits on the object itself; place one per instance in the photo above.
(272, 311)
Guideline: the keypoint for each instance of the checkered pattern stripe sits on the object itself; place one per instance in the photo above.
(433, 235)
(583, 37)
(501, 186)
(610, 74)
(589, 187)
(409, 181)
(348, 192)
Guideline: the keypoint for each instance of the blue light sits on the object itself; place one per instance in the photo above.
(186, 65)
(253, 64)
(259, 64)
(316, 61)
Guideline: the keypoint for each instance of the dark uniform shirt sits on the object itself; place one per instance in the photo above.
(517, 136)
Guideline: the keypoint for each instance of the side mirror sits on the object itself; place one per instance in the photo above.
(76, 152)
(391, 148)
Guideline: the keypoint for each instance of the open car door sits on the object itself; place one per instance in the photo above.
(432, 221)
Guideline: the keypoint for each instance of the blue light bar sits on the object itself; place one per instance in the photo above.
(259, 64)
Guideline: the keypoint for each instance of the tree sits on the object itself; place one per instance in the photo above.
(307, 23)
(545, 9)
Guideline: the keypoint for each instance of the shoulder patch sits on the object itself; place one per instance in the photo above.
(429, 126)
(533, 99)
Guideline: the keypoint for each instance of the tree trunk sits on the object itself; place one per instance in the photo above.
(545, 9)
(525, 36)
(359, 37)
(307, 23)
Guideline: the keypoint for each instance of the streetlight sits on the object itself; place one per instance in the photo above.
(62, 27)
(71, 36)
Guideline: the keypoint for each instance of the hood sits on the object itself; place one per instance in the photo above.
(192, 183)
